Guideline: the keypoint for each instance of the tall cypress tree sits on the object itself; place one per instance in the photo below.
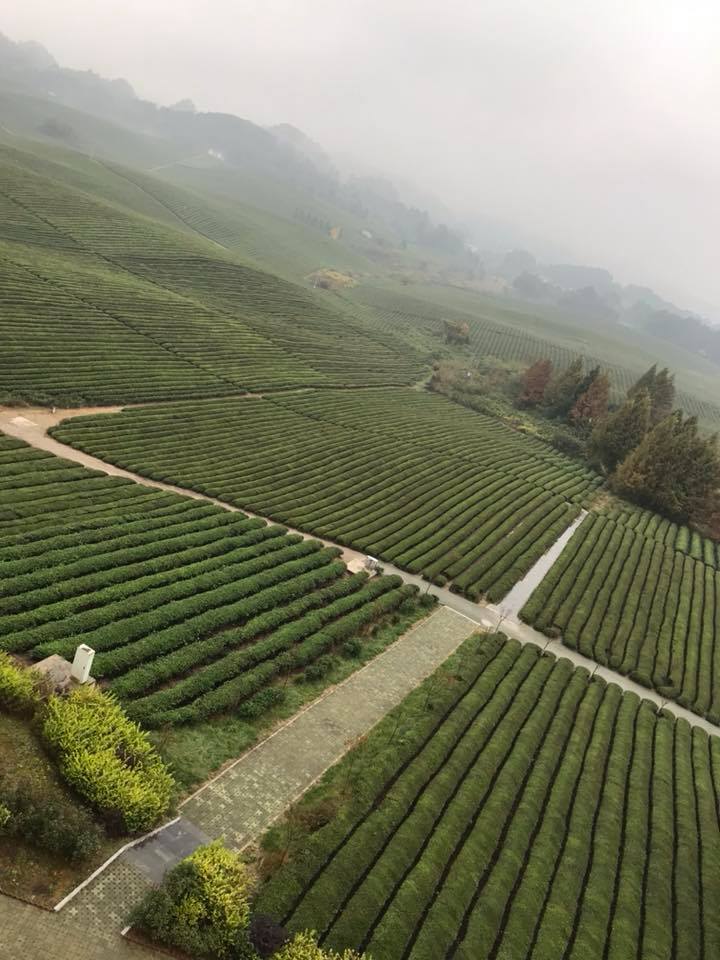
(535, 383)
(662, 396)
(674, 470)
(614, 438)
(592, 405)
(646, 382)
(562, 390)
(661, 387)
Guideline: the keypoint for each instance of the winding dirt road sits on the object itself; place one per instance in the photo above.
(31, 425)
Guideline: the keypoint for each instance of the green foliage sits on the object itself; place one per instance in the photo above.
(304, 946)
(108, 759)
(202, 906)
(614, 438)
(66, 831)
(674, 470)
(19, 687)
(564, 388)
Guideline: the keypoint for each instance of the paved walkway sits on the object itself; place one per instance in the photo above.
(247, 797)
(27, 933)
(31, 425)
(241, 802)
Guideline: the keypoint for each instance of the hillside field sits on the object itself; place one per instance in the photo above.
(402, 475)
(192, 610)
(512, 807)
(641, 595)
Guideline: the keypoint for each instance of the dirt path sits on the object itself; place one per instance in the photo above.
(31, 425)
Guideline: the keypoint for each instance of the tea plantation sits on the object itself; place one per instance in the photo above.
(402, 475)
(102, 305)
(640, 594)
(192, 610)
(514, 807)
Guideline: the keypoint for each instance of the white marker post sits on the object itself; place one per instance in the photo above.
(82, 664)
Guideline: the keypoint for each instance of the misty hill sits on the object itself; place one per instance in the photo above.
(38, 97)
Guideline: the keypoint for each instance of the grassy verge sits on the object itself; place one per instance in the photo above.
(349, 788)
(26, 871)
(196, 751)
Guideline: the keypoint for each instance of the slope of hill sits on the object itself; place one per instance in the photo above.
(105, 304)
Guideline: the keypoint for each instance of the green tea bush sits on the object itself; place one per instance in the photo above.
(19, 688)
(202, 906)
(108, 759)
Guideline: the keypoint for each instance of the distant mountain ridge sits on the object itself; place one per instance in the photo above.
(282, 150)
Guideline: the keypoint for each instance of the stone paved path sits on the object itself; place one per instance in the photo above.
(27, 933)
(247, 797)
(238, 804)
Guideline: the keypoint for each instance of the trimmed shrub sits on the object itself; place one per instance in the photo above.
(108, 759)
(19, 688)
(304, 946)
(61, 830)
(202, 906)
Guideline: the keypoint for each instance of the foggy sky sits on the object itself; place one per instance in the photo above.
(592, 123)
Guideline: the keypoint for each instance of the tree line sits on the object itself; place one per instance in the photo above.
(650, 451)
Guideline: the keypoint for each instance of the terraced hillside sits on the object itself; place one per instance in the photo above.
(193, 610)
(101, 304)
(522, 333)
(400, 474)
(638, 593)
(514, 807)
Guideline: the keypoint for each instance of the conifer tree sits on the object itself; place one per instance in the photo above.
(646, 382)
(614, 438)
(592, 405)
(662, 396)
(674, 470)
(562, 390)
(661, 387)
(535, 382)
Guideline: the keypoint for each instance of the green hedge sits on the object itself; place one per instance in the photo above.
(108, 759)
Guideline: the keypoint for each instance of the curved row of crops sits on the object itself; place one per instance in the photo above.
(402, 475)
(192, 610)
(102, 305)
(516, 807)
(641, 595)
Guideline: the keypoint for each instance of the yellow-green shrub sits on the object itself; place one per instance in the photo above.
(108, 758)
(19, 687)
(304, 946)
(202, 906)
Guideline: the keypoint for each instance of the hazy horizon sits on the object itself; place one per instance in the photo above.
(590, 128)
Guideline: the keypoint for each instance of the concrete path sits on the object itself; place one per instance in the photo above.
(248, 796)
(28, 933)
(31, 425)
(160, 852)
(238, 804)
